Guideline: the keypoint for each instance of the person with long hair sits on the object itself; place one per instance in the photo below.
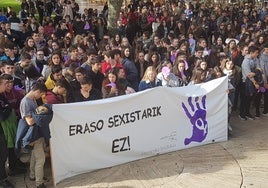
(179, 69)
(179, 28)
(260, 41)
(234, 78)
(149, 79)
(117, 40)
(130, 68)
(111, 86)
(123, 81)
(231, 47)
(220, 44)
(198, 76)
(29, 43)
(214, 57)
(154, 59)
(100, 29)
(55, 59)
(166, 76)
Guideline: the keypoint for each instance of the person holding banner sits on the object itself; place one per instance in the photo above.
(87, 91)
(121, 74)
(56, 95)
(111, 86)
(27, 107)
(167, 78)
(56, 74)
(149, 79)
(198, 77)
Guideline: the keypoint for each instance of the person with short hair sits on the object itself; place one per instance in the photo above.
(9, 68)
(25, 60)
(4, 182)
(28, 105)
(73, 57)
(11, 56)
(87, 91)
(56, 74)
(40, 59)
(91, 53)
(13, 95)
(141, 64)
(11, 34)
(249, 84)
(62, 30)
(95, 74)
(79, 74)
(58, 93)
(110, 61)
(197, 56)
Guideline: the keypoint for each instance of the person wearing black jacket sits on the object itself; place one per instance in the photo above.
(11, 34)
(4, 113)
(87, 92)
(78, 25)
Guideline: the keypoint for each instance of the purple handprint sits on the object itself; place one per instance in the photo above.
(198, 120)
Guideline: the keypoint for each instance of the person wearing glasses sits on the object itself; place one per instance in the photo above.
(40, 60)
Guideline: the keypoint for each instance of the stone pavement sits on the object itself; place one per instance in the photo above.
(240, 162)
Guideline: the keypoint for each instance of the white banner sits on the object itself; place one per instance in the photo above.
(98, 134)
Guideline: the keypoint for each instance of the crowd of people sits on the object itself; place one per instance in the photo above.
(67, 56)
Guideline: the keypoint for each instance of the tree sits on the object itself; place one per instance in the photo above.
(113, 13)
